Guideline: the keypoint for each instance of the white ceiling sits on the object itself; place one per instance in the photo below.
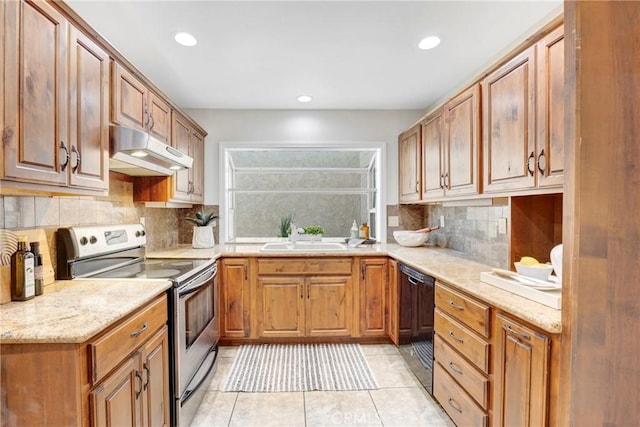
(346, 54)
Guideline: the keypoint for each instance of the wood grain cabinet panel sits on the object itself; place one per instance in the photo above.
(463, 340)
(329, 309)
(462, 409)
(55, 129)
(469, 311)
(160, 118)
(433, 156)
(409, 164)
(551, 117)
(155, 369)
(281, 305)
(521, 374)
(394, 302)
(235, 298)
(373, 297)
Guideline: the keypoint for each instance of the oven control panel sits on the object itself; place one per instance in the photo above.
(101, 239)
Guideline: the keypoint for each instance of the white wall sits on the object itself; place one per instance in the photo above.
(302, 125)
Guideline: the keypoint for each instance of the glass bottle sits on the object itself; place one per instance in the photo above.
(364, 231)
(39, 268)
(23, 285)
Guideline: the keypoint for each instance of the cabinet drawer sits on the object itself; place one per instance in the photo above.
(472, 313)
(460, 407)
(304, 266)
(109, 350)
(462, 339)
(474, 383)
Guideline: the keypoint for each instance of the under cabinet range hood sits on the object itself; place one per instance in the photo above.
(137, 153)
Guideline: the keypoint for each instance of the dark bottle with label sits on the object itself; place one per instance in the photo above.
(39, 269)
(23, 286)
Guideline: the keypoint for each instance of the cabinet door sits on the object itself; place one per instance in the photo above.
(373, 297)
(155, 369)
(88, 112)
(129, 99)
(329, 309)
(462, 119)
(234, 295)
(117, 401)
(159, 118)
(34, 134)
(281, 302)
(521, 375)
(509, 125)
(432, 157)
(409, 157)
(197, 172)
(181, 141)
(550, 100)
(394, 308)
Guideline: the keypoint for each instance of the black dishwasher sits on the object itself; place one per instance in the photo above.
(416, 304)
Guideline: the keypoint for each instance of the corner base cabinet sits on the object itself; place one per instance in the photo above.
(118, 378)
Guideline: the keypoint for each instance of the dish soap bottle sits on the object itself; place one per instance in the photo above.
(23, 283)
(354, 230)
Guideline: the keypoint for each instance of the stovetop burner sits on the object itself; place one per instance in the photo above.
(157, 268)
(158, 274)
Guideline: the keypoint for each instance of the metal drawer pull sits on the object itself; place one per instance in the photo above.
(460, 340)
(516, 333)
(455, 368)
(141, 330)
(456, 406)
(456, 306)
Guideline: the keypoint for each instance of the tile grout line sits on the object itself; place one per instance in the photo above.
(235, 401)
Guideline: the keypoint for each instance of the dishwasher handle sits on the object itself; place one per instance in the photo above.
(417, 276)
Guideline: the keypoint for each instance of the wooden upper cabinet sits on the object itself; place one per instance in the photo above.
(197, 171)
(181, 141)
(550, 100)
(88, 112)
(509, 125)
(462, 139)
(134, 105)
(433, 156)
(160, 118)
(409, 167)
(34, 133)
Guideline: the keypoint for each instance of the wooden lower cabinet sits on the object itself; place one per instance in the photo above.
(298, 305)
(64, 384)
(373, 296)
(235, 298)
(521, 374)
(394, 302)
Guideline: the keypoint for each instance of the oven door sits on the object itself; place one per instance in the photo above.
(196, 329)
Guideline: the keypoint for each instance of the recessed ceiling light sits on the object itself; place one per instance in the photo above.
(304, 98)
(186, 39)
(429, 42)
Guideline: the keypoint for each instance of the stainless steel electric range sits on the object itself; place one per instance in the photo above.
(118, 252)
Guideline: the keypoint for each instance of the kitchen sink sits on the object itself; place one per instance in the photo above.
(303, 247)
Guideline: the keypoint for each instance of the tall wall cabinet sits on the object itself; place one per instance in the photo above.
(55, 104)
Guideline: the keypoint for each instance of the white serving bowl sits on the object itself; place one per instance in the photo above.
(539, 271)
(410, 238)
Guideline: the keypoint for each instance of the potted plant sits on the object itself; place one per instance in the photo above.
(313, 233)
(285, 226)
(203, 230)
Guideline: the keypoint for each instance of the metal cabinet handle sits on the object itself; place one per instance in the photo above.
(456, 306)
(446, 180)
(75, 151)
(512, 331)
(452, 335)
(442, 180)
(63, 166)
(147, 117)
(529, 159)
(417, 186)
(146, 369)
(455, 368)
(454, 405)
(152, 122)
(246, 272)
(362, 270)
(542, 158)
(141, 330)
(139, 391)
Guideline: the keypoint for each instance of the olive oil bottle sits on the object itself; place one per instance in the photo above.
(23, 282)
(39, 268)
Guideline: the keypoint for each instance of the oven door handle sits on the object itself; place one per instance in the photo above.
(190, 390)
(197, 283)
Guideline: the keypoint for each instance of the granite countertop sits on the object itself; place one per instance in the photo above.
(73, 311)
(444, 264)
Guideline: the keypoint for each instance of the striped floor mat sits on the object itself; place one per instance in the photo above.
(300, 367)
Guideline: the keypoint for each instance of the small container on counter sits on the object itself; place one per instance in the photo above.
(354, 230)
(39, 269)
(23, 283)
(364, 231)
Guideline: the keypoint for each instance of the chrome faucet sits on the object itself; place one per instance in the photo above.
(295, 232)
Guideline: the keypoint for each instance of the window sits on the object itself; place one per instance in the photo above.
(328, 186)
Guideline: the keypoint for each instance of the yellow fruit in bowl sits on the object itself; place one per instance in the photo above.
(529, 261)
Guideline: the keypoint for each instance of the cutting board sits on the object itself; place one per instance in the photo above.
(32, 235)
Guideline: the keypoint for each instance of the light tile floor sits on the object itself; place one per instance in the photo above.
(400, 400)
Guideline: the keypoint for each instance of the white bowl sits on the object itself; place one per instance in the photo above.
(540, 271)
(410, 238)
